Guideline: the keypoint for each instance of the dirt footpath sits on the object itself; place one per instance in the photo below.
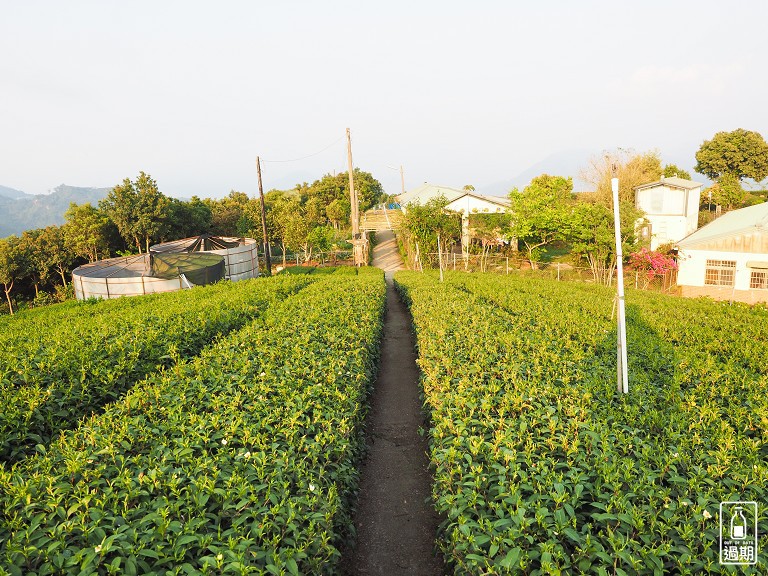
(395, 522)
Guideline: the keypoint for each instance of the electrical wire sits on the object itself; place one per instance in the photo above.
(309, 155)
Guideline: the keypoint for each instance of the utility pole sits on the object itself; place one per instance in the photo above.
(356, 237)
(402, 179)
(267, 256)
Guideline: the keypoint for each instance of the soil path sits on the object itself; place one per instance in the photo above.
(395, 522)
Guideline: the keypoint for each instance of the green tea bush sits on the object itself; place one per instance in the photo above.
(242, 460)
(541, 468)
(55, 370)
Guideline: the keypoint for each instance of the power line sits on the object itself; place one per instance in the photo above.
(309, 155)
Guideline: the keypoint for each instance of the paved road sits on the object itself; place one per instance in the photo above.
(385, 253)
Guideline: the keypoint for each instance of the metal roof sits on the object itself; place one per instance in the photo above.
(736, 222)
(673, 182)
(427, 192)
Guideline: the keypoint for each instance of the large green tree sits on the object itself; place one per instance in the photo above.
(336, 187)
(138, 209)
(235, 215)
(187, 219)
(740, 154)
(540, 213)
(87, 231)
(56, 256)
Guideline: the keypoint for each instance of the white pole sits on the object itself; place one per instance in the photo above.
(622, 383)
(440, 257)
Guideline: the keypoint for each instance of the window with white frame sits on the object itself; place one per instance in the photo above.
(720, 273)
(759, 279)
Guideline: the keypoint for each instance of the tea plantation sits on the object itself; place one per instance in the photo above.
(219, 430)
(241, 459)
(540, 468)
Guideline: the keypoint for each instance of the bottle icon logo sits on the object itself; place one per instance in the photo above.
(738, 524)
(738, 533)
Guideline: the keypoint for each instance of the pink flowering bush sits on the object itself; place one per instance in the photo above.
(652, 263)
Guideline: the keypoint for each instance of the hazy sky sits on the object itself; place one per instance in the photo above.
(465, 92)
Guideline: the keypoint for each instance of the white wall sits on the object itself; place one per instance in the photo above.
(692, 210)
(692, 265)
(672, 212)
(665, 229)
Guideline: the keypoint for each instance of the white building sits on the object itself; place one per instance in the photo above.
(464, 202)
(728, 258)
(671, 208)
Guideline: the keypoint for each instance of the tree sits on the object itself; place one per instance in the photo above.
(590, 230)
(540, 213)
(727, 192)
(632, 170)
(33, 257)
(58, 259)
(287, 223)
(491, 229)
(741, 154)
(13, 261)
(235, 215)
(185, 219)
(86, 232)
(320, 238)
(138, 209)
(429, 228)
(338, 212)
(336, 187)
(672, 171)
(296, 229)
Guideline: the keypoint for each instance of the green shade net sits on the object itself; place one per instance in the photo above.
(199, 268)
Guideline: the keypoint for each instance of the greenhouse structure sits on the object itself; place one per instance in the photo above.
(169, 267)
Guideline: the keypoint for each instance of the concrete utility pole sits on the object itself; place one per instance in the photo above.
(621, 332)
(267, 255)
(357, 240)
(402, 179)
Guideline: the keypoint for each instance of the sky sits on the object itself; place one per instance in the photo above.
(92, 92)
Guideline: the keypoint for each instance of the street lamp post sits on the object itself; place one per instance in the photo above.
(402, 177)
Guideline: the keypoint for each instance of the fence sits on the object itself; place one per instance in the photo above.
(555, 271)
(328, 258)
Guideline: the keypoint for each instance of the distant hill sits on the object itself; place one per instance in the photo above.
(20, 211)
(12, 193)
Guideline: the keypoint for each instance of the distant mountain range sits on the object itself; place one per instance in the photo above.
(20, 211)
